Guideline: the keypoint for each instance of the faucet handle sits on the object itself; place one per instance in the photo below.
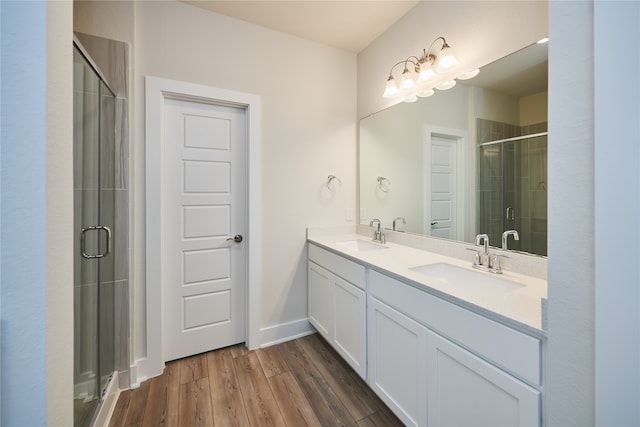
(478, 257)
(495, 266)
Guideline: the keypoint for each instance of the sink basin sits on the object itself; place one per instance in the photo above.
(360, 245)
(449, 275)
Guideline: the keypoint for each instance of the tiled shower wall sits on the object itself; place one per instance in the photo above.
(513, 175)
(112, 58)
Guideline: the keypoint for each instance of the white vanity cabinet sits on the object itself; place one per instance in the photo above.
(337, 305)
(433, 360)
(437, 364)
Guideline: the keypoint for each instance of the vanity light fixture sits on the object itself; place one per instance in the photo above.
(419, 70)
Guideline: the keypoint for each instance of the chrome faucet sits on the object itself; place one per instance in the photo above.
(398, 218)
(378, 235)
(506, 234)
(484, 260)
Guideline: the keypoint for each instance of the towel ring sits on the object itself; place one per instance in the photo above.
(384, 184)
(330, 179)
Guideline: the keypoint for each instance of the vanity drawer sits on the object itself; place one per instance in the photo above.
(512, 350)
(350, 271)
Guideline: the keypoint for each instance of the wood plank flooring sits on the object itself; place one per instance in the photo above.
(298, 383)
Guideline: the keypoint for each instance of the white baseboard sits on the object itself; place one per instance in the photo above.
(271, 335)
(137, 373)
(285, 332)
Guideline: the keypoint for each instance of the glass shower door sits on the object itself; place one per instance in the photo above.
(513, 191)
(93, 221)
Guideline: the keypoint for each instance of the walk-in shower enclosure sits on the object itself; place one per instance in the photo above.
(512, 184)
(100, 235)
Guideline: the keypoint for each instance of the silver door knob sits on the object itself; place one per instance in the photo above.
(237, 238)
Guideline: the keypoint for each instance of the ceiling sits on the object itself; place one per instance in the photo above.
(348, 25)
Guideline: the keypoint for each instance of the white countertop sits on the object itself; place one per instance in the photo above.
(520, 307)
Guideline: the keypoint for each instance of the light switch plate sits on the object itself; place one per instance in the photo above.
(348, 214)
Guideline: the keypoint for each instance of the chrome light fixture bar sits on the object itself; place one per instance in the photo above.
(418, 71)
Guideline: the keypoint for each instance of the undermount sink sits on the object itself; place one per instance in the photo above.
(450, 275)
(360, 245)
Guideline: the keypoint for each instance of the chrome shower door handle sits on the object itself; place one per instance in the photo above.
(511, 214)
(83, 241)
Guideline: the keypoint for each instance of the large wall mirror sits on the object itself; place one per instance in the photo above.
(468, 160)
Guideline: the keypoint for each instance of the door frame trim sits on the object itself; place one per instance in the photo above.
(156, 91)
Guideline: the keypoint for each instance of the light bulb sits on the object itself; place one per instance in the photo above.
(446, 59)
(412, 98)
(426, 71)
(391, 89)
(406, 82)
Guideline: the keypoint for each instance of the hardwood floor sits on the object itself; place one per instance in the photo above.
(298, 383)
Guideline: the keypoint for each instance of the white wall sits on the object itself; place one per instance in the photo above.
(496, 106)
(108, 19)
(570, 379)
(59, 208)
(37, 214)
(528, 110)
(534, 108)
(594, 138)
(617, 157)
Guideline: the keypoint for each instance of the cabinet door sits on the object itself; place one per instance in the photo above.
(465, 390)
(349, 324)
(398, 362)
(320, 305)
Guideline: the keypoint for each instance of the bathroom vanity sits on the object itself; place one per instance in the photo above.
(438, 341)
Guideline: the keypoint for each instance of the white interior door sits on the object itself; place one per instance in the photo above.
(442, 214)
(204, 207)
